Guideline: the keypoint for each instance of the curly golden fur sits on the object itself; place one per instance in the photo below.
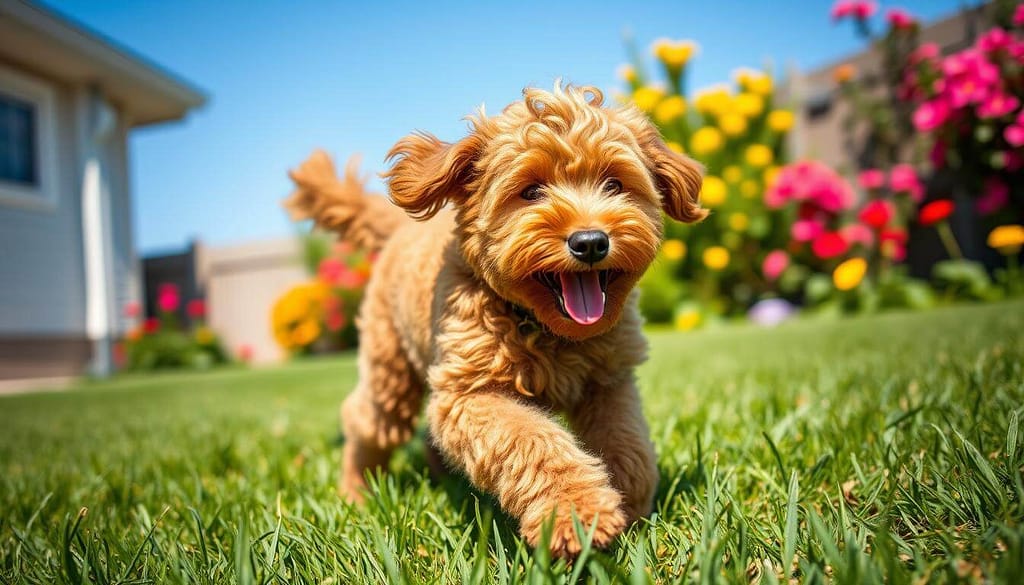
(469, 305)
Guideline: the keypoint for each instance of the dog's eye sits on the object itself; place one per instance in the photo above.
(532, 193)
(612, 187)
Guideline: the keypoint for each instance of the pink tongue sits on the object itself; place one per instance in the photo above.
(582, 294)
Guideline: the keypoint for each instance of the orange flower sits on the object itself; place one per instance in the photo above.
(844, 73)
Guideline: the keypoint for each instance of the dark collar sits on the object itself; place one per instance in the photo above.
(526, 323)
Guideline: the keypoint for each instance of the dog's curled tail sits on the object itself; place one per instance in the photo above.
(341, 205)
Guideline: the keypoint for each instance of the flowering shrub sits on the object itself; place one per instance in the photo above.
(737, 131)
(162, 342)
(969, 105)
(319, 315)
(802, 231)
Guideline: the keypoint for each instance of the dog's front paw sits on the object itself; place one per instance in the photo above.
(603, 504)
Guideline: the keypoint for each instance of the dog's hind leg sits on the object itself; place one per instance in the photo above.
(380, 414)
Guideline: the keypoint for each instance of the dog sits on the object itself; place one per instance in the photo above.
(511, 299)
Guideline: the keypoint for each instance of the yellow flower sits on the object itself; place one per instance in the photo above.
(675, 54)
(780, 120)
(669, 109)
(1008, 239)
(770, 174)
(758, 155)
(713, 192)
(687, 319)
(712, 100)
(749, 104)
(204, 336)
(754, 81)
(627, 72)
(673, 249)
(705, 141)
(739, 221)
(732, 124)
(749, 188)
(294, 310)
(647, 97)
(732, 174)
(716, 257)
(306, 332)
(849, 274)
(674, 146)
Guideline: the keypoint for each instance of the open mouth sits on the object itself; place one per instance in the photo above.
(580, 295)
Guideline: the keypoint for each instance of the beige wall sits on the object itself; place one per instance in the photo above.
(241, 283)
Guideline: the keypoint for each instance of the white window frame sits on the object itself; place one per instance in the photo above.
(43, 97)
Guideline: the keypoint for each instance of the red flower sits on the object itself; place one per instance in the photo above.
(877, 213)
(196, 308)
(168, 298)
(829, 245)
(151, 326)
(935, 211)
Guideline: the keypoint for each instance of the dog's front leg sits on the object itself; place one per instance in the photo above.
(530, 462)
(611, 425)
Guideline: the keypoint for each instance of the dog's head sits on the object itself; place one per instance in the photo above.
(558, 201)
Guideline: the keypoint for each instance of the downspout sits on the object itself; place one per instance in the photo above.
(96, 121)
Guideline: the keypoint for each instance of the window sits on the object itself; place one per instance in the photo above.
(27, 142)
(18, 162)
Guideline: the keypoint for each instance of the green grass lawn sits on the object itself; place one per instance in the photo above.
(849, 450)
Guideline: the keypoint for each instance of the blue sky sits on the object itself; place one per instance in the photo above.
(287, 77)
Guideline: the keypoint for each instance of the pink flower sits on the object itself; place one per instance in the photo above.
(900, 19)
(829, 245)
(841, 9)
(969, 90)
(1014, 134)
(871, 179)
(903, 179)
(877, 213)
(994, 197)
(132, 310)
(775, 263)
(245, 352)
(168, 298)
(925, 52)
(805, 230)
(931, 114)
(1018, 15)
(996, 39)
(857, 233)
(998, 105)
(859, 9)
(863, 10)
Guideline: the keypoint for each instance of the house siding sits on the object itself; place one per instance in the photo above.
(41, 267)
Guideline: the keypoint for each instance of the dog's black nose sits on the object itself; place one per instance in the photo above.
(589, 246)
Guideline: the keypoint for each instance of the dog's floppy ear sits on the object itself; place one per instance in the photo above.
(677, 176)
(428, 173)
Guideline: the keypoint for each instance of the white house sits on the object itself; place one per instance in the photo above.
(68, 99)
